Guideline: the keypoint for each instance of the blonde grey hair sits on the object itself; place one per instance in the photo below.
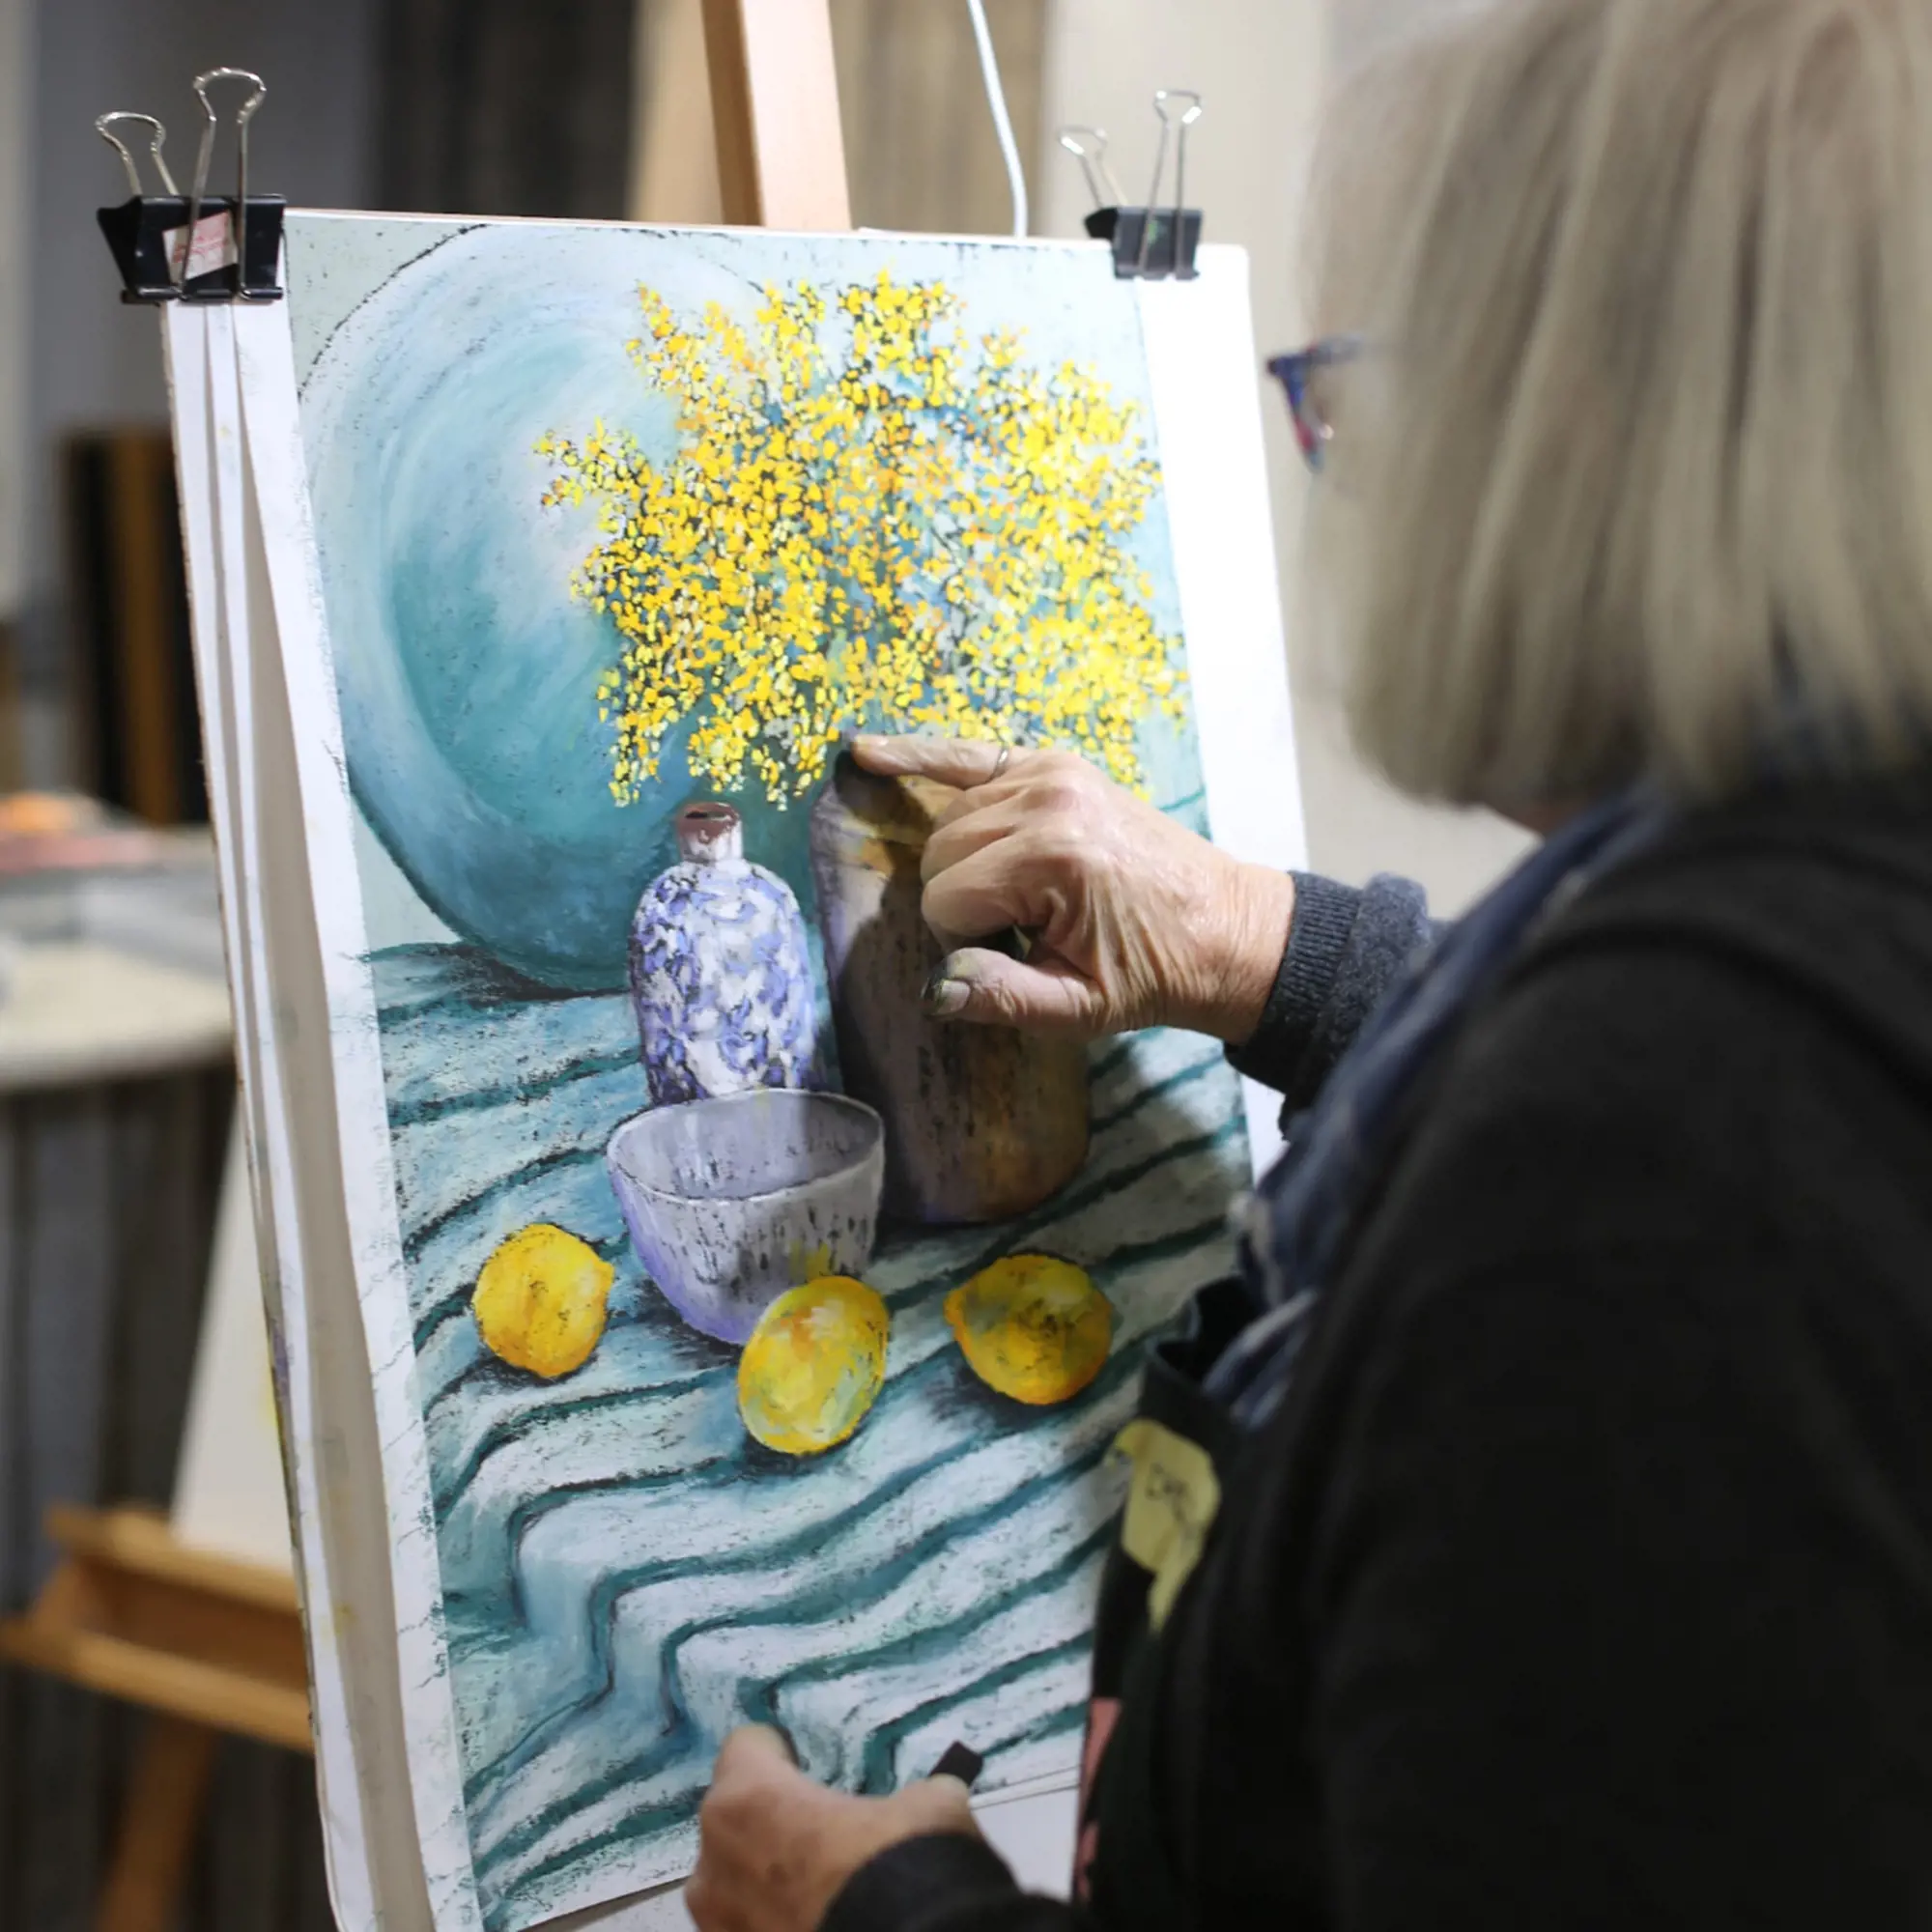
(1637, 471)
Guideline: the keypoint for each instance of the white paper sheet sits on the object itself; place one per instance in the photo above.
(229, 1492)
(325, 1189)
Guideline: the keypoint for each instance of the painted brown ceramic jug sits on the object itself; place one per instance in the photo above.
(982, 1122)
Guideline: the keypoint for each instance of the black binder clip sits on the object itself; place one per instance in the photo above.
(171, 246)
(1153, 242)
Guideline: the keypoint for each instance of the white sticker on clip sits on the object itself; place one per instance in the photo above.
(214, 247)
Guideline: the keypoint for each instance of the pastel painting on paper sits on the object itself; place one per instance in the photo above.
(770, 1338)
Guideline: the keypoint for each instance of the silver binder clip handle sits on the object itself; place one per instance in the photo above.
(1088, 147)
(205, 156)
(156, 136)
(1169, 122)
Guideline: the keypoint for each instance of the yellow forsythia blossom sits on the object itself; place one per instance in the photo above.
(872, 519)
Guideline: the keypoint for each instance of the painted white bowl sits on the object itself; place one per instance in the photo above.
(732, 1200)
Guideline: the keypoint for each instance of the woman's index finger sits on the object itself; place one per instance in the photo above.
(960, 762)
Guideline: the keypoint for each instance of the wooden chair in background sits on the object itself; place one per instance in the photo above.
(209, 1647)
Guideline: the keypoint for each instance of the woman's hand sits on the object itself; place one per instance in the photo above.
(1134, 921)
(775, 1847)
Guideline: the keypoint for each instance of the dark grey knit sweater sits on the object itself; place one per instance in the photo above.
(1344, 950)
(1584, 1581)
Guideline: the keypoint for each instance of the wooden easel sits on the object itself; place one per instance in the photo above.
(209, 1646)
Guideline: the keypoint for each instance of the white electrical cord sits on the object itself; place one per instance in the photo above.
(1003, 126)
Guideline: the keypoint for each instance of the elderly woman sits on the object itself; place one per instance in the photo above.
(1565, 1553)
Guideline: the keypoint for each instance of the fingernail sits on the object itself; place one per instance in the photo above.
(944, 997)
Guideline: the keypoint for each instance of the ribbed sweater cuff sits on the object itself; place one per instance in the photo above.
(1318, 943)
(1345, 949)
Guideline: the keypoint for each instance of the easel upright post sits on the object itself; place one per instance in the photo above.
(775, 108)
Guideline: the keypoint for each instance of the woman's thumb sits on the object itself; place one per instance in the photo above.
(989, 989)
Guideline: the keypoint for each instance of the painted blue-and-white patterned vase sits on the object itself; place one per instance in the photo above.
(720, 974)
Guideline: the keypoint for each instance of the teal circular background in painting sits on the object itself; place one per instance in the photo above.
(466, 673)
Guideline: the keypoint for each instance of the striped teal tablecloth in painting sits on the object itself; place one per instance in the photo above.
(627, 1574)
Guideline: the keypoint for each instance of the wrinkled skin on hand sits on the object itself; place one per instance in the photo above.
(775, 1847)
(1133, 919)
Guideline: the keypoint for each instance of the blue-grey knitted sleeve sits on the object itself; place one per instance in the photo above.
(1344, 949)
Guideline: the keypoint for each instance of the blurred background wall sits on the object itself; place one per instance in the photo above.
(16, 136)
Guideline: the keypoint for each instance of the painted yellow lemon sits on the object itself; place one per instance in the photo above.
(1032, 1328)
(540, 1300)
(813, 1365)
